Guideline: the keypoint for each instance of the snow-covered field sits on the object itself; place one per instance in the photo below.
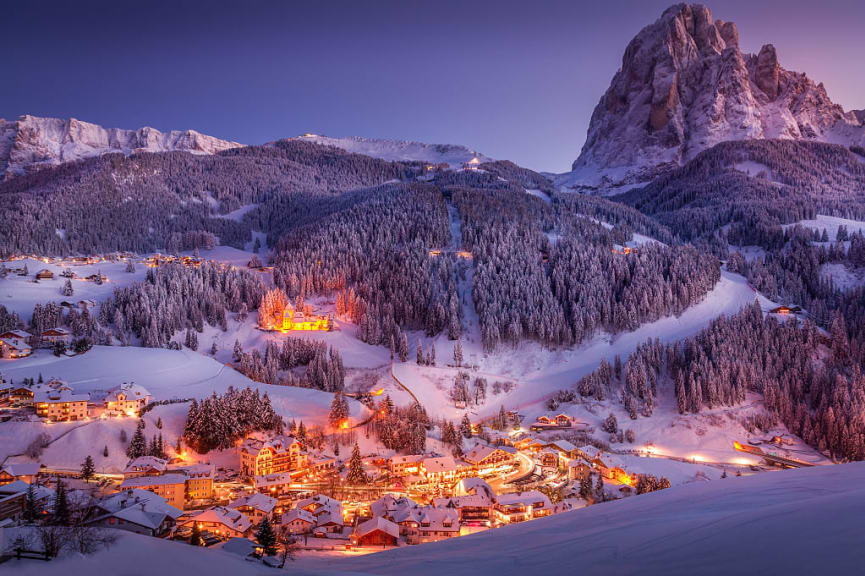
(830, 224)
(844, 278)
(166, 374)
(20, 293)
(749, 253)
(538, 194)
(753, 169)
(792, 522)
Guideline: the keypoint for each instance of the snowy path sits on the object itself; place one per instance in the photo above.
(471, 330)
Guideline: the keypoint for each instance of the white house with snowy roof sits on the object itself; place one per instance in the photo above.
(256, 506)
(149, 516)
(15, 344)
(222, 521)
(298, 521)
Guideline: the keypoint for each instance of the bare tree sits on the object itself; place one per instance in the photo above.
(288, 546)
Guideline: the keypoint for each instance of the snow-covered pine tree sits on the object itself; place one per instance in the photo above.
(356, 475)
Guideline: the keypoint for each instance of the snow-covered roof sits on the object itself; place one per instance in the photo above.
(272, 480)
(162, 480)
(481, 499)
(58, 331)
(240, 546)
(406, 459)
(298, 514)
(440, 464)
(590, 451)
(14, 487)
(56, 395)
(228, 517)
(473, 485)
(144, 463)
(131, 390)
(130, 497)
(150, 514)
(528, 498)
(258, 501)
(562, 445)
(194, 470)
(482, 451)
(22, 468)
(377, 523)
(278, 444)
(388, 504)
(20, 334)
(439, 519)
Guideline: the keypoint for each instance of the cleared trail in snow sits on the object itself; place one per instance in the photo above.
(464, 270)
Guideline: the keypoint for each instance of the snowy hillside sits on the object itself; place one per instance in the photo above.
(400, 150)
(166, 374)
(31, 142)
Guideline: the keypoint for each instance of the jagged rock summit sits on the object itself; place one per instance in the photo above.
(30, 142)
(684, 86)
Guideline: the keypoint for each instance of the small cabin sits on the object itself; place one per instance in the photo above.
(54, 335)
(472, 164)
(785, 310)
(297, 320)
(45, 274)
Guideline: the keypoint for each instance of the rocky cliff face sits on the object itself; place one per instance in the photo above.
(30, 143)
(684, 86)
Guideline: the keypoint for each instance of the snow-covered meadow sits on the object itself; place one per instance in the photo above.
(20, 294)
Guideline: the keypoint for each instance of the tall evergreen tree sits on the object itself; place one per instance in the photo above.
(62, 513)
(31, 513)
(87, 469)
(266, 537)
(138, 445)
(356, 474)
(466, 426)
(195, 537)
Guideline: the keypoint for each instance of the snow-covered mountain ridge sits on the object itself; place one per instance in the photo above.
(400, 150)
(684, 86)
(31, 142)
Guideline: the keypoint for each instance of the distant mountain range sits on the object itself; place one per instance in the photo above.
(683, 87)
(30, 142)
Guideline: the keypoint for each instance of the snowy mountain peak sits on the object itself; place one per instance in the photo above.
(400, 150)
(31, 142)
(684, 86)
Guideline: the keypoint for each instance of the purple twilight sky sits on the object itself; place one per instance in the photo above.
(515, 80)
